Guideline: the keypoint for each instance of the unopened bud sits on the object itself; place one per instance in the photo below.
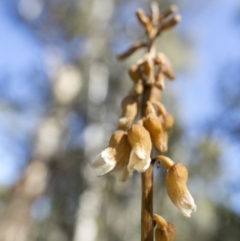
(172, 9)
(144, 20)
(160, 83)
(165, 231)
(165, 64)
(148, 69)
(168, 121)
(168, 23)
(129, 111)
(149, 109)
(137, 88)
(154, 126)
(134, 73)
(154, 94)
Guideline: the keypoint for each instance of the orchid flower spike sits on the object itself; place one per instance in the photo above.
(141, 144)
(178, 192)
(115, 155)
(165, 231)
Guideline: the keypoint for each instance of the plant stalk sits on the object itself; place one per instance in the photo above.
(147, 188)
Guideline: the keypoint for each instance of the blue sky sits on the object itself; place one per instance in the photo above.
(214, 36)
(19, 52)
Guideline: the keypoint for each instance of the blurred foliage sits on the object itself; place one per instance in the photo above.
(75, 106)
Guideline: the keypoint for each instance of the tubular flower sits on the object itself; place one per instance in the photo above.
(149, 109)
(129, 111)
(167, 122)
(178, 192)
(115, 155)
(153, 125)
(165, 231)
(140, 142)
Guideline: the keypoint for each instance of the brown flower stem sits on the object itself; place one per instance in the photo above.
(147, 187)
(147, 205)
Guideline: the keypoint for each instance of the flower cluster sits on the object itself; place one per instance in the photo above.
(130, 146)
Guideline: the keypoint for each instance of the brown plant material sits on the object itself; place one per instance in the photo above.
(166, 68)
(172, 9)
(160, 83)
(154, 94)
(135, 72)
(141, 144)
(148, 69)
(165, 231)
(155, 14)
(115, 155)
(129, 112)
(168, 23)
(138, 87)
(131, 50)
(176, 184)
(154, 126)
(149, 109)
(168, 121)
(144, 20)
(148, 75)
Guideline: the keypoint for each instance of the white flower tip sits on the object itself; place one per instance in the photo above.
(141, 154)
(103, 163)
(142, 166)
(139, 160)
(187, 207)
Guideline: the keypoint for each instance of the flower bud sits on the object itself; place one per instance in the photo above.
(165, 64)
(165, 231)
(129, 112)
(148, 69)
(149, 109)
(167, 121)
(141, 144)
(134, 73)
(115, 155)
(176, 180)
(160, 83)
(155, 94)
(137, 88)
(144, 20)
(154, 126)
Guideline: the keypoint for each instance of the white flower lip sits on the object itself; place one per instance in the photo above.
(116, 155)
(139, 160)
(186, 205)
(178, 192)
(104, 162)
(140, 141)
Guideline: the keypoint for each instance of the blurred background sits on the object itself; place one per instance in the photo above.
(60, 93)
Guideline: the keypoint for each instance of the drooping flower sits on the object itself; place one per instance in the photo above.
(129, 111)
(154, 126)
(115, 155)
(176, 180)
(167, 122)
(165, 231)
(141, 144)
